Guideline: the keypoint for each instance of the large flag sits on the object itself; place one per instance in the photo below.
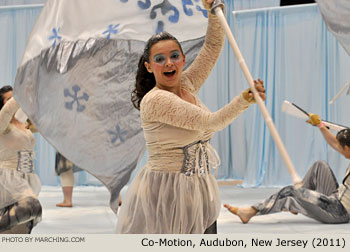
(76, 76)
(336, 14)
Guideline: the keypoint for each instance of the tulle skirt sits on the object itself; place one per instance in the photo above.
(159, 202)
(15, 186)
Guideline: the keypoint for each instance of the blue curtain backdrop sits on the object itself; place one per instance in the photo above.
(20, 2)
(250, 4)
(300, 61)
(289, 48)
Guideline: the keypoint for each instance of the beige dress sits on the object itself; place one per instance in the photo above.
(175, 191)
(15, 184)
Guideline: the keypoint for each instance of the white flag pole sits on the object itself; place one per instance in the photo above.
(347, 85)
(219, 13)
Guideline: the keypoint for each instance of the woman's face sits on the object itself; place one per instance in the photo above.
(166, 62)
(7, 96)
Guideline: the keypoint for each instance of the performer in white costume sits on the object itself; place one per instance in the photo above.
(175, 192)
(20, 209)
(320, 197)
(65, 169)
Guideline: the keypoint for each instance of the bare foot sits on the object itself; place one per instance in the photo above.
(244, 213)
(64, 204)
(292, 212)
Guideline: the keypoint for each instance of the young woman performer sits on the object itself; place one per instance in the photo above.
(64, 169)
(175, 192)
(319, 197)
(20, 209)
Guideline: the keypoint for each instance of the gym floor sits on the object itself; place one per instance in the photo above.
(91, 214)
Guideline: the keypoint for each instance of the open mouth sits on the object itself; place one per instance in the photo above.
(170, 74)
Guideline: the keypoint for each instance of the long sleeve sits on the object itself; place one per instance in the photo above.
(6, 114)
(166, 107)
(198, 72)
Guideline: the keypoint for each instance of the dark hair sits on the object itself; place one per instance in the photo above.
(4, 90)
(145, 80)
(343, 137)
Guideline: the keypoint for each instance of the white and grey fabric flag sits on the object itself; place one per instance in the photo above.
(76, 75)
(345, 88)
(336, 14)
